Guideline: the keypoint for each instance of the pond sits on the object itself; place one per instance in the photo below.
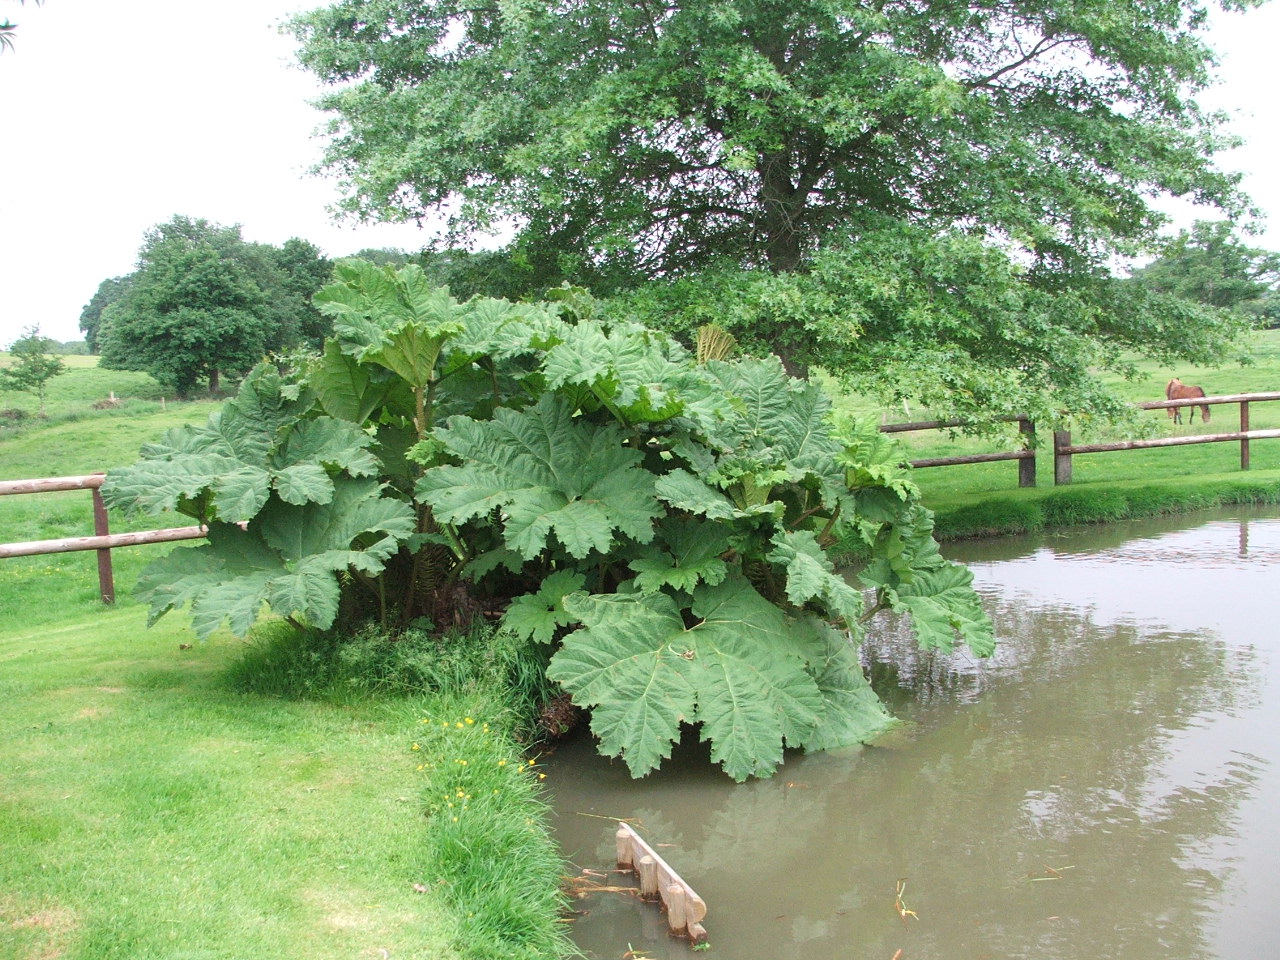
(1104, 787)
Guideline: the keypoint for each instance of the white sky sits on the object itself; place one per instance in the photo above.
(116, 116)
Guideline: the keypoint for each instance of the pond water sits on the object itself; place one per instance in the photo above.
(1106, 786)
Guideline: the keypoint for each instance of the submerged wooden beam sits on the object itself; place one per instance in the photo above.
(685, 909)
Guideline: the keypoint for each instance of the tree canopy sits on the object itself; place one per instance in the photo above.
(203, 300)
(933, 187)
(1208, 264)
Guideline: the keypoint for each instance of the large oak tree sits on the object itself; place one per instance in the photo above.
(928, 193)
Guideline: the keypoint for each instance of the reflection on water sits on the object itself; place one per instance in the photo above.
(1097, 789)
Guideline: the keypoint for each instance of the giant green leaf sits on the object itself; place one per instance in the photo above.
(549, 473)
(942, 603)
(227, 469)
(537, 616)
(287, 559)
(813, 577)
(852, 712)
(688, 552)
(395, 318)
(738, 670)
(639, 373)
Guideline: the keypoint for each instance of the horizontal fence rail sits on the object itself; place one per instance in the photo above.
(1064, 449)
(1026, 455)
(103, 541)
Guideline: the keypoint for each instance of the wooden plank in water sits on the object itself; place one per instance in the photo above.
(685, 909)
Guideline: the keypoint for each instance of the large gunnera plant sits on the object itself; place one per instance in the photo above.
(663, 522)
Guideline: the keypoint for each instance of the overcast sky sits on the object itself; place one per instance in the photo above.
(116, 116)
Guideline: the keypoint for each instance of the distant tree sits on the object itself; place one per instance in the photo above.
(194, 279)
(191, 312)
(302, 271)
(31, 365)
(1208, 264)
(108, 292)
(384, 256)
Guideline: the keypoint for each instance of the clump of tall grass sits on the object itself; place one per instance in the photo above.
(1028, 511)
(488, 849)
(281, 661)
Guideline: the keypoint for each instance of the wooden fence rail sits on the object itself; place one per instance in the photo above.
(103, 541)
(1026, 455)
(685, 909)
(1064, 449)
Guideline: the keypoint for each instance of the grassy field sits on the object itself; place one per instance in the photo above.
(162, 798)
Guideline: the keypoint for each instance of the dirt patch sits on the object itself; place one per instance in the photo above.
(43, 934)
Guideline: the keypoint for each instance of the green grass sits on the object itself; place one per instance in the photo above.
(154, 808)
(73, 393)
(150, 811)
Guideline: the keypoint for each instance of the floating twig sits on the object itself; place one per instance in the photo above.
(901, 907)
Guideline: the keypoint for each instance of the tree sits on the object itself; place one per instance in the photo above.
(108, 292)
(30, 365)
(190, 311)
(204, 300)
(791, 166)
(1208, 264)
(301, 270)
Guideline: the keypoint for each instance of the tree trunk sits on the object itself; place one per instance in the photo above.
(784, 207)
(213, 382)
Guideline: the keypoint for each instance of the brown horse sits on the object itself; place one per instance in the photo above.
(1175, 389)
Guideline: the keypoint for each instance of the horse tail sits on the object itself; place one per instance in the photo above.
(1168, 395)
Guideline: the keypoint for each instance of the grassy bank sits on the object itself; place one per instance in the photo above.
(153, 807)
(1030, 510)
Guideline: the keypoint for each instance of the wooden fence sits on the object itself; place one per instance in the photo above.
(685, 909)
(1064, 450)
(103, 541)
(1026, 455)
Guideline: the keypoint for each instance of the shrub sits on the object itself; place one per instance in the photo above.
(660, 524)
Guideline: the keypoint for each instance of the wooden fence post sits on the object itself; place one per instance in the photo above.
(1061, 457)
(1027, 466)
(1244, 428)
(106, 581)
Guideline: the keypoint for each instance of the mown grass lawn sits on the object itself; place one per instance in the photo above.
(150, 811)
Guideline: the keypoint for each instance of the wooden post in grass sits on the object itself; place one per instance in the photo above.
(1061, 457)
(101, 528)
(1027, 466)
(1244, 428)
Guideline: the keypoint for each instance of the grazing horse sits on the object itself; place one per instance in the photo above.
(1175, 389)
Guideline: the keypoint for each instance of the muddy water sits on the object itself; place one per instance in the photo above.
(1107, 786)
